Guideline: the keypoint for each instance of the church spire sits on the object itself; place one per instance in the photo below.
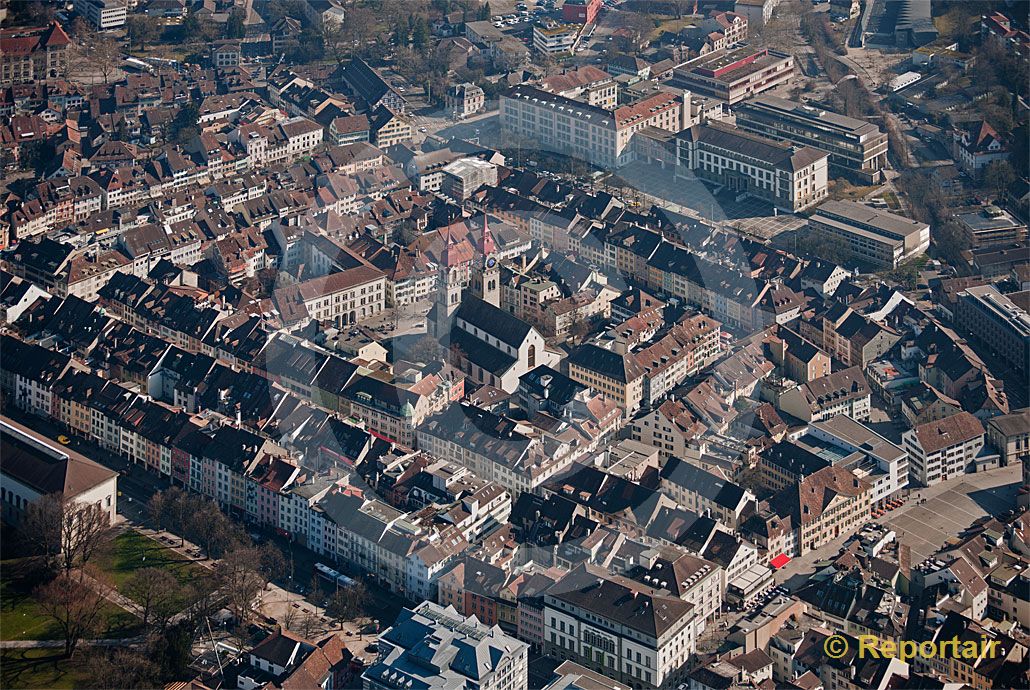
(486, 243)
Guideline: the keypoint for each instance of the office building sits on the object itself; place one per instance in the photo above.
(464, 176)
(856, 147)
(991, 227)
(555, 39)
(879, 238)
(855, 447)
(787, 178)
(591, 133)
(435, 648)
(102, 14)
(619, 627)
(943, 449)
(589, 84)
(997, 322)
(735, 74)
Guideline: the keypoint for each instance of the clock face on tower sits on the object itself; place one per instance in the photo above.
(491, 262)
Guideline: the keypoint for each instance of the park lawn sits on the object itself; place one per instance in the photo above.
(673, 26)
(41, 668)
(20, 615)
(131, 551)
(21, 618)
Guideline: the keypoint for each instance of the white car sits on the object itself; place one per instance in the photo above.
(423, 130)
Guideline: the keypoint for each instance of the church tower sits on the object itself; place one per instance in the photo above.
(486, 273)
(448, 290)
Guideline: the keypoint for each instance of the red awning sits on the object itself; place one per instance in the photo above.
(780, 561)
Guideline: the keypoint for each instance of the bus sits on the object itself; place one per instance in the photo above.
(138, 65)
(332, 576)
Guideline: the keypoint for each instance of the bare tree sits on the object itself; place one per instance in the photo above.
(122, 669)
(337, 40)
(348, 603)
(64, 531)
(241, 580)
(307, 626)
(106, 56)
(157, 508)
(157, 592)
(202, 598)
(74, 605)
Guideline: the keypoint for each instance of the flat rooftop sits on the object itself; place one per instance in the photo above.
(997, 219)
(854, 212)
(801, 111)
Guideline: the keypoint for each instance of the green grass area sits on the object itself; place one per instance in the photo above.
(41, 668)
(131, 551)
(20, 615)
(892, 201)
(21, 618)
(673, 26)
(843, 190)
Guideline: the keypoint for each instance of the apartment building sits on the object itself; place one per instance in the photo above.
(842, 392)
(705, 493)
(826, 505)
(856, 147)
(944, 448)
(434, 647)
(465, 99)
(688, 347)
(879, 238)
(856, 447)
(1009, 434)
(616, 375)
(581, 130)
(618, 627)
(735, 74)
(494, 447)
(802, 360)
(581, 11)
(33, 54)
(997, 322)
(671, 428)
(746, 163)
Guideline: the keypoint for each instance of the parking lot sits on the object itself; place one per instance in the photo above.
(951, 507)
(750, 214)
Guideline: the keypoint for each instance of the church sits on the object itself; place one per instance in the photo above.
(490, 345)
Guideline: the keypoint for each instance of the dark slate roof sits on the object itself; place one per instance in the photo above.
(44, 467)
(713, 488)
(622, 368)
(493, 320)
(560, 388)
(646, 613)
